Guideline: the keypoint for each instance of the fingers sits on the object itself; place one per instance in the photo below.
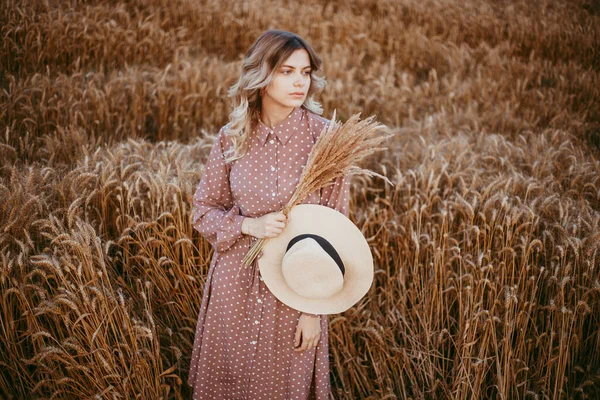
(298, 337)
(307, 344)
(275, 224)
(303, 345)
(279, 216)
(270, 225)
(273, 232)
(279, 225)
(300, 342)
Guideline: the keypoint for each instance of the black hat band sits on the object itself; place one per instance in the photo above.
(328, 247)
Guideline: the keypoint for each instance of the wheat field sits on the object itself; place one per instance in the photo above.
(486, 248)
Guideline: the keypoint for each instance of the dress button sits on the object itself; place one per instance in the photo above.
(261, 278)
(273, 194)
(253, 342)
(271, 141)
(272, 168)
(259, 300)
(256, 322)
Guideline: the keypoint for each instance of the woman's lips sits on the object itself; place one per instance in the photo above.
(298, 94)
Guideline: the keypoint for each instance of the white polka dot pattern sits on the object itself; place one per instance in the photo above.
(243, 348)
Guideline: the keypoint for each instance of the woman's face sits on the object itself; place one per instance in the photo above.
(291, 82)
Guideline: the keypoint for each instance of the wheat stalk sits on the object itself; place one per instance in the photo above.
(336, 153)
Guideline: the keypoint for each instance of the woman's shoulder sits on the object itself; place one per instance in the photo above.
(316, 118)
(222, 138)
(317, 122)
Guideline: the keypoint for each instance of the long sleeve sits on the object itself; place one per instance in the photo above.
(337, 195)
(214, 214)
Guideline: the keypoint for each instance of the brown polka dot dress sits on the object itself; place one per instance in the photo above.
(244, 343)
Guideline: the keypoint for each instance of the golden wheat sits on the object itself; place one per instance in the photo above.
(486, 248)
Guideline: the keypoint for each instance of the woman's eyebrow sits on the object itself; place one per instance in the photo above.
(292, 67)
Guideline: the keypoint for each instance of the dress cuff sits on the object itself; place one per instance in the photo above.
(231, 228)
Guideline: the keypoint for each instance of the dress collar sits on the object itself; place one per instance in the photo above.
(284, 130)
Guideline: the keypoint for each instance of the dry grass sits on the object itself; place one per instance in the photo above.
(487, 247)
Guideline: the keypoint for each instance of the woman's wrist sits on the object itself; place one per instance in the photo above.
(247, 226)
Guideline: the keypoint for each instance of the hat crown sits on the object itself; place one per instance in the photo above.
(310, 271)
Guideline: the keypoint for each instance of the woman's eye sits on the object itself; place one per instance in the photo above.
(287, 72)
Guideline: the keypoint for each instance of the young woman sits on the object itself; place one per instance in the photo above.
(249, 345)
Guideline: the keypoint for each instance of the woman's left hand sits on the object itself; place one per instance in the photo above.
(308, 332)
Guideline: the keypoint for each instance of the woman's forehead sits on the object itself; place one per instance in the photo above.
(298, 59)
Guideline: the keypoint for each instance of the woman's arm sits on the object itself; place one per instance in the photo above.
(214, 214)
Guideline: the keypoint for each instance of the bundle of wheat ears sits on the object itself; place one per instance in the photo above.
(336, 153)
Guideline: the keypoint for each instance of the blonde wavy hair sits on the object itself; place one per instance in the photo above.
(261, 62)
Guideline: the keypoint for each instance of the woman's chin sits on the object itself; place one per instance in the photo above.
(297, 102)
(291, 103)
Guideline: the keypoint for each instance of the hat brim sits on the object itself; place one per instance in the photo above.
(345, 237)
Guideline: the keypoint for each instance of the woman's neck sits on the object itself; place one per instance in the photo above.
(273, 116)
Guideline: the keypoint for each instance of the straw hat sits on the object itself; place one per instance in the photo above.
(320, 264)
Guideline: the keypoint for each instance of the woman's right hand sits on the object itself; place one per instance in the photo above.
(268, 226)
